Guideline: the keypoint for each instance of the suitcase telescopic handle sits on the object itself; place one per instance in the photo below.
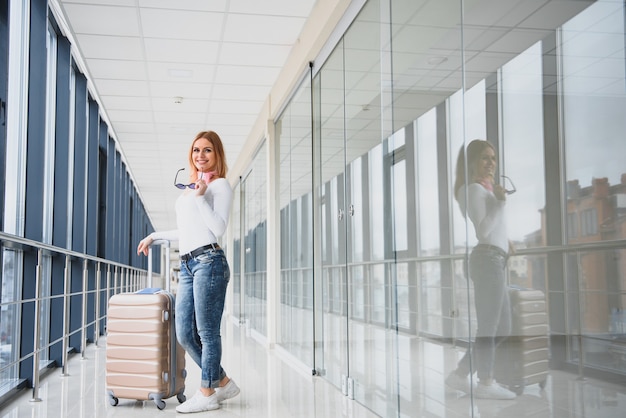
(166, 269)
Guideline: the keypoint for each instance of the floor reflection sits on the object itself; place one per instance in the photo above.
(275, 384)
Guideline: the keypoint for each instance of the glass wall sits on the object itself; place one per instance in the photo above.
(254, 286)
(294, 139)
(236, 254)
(61, 175)
(593, 96)
(407, 86)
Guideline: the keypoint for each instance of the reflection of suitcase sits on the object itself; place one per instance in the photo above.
(522, 359)
(144, 360)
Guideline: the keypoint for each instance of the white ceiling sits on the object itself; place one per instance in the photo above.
(222, 57)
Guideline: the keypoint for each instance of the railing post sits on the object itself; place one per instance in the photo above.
(36, 331)
(83, 330)
(115, 279)
(97, 306)
(66, 315)
(108, 290)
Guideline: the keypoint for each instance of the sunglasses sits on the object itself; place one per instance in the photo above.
(181, 185)
(506, 189)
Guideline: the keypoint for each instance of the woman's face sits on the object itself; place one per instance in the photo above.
(485, 165)
(203, 155)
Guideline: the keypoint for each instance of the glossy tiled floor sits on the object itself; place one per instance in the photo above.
(272, 386)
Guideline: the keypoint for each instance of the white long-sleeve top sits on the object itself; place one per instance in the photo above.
(200, 219)
(486, 213)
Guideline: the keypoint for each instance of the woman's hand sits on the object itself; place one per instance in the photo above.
(144, 245)
(201, 187)
(203, 181)
(499, 192)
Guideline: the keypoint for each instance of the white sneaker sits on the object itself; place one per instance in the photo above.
(229, 390)
(457, 382)
(199, 403)
(493, 391)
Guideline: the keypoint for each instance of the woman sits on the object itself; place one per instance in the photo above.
(483, 201)
(202, 213)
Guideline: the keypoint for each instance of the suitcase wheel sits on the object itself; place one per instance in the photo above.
(113, 400)
(160, 403)
(181, 397)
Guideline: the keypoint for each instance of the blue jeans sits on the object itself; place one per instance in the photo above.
(493, 309)
(199, 308)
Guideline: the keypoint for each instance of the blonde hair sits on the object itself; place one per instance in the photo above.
(474, 150)
(221, 168)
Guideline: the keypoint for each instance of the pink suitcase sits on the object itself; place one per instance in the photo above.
(143, 359)
(523, 358)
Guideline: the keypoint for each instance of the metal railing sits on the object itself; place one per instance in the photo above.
(119, 278)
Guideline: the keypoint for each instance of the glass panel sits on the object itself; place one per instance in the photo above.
(235, 226)
(427, 193)
(476, 125)
(428, 275)
(48, 191)
(293, 132)
(358, 301)
(594, 99)
(372, 354)
(462, 312)
(9, 319)
(255, 221)
(356, 210)
(16, 125)
(48, 198)
(13, 220)
(376, 225)
(405, 287)
(444, 97)
(379, 303)
(522, 150)
(332, 164)
(427, 63)
(400, 215)
(597, 311)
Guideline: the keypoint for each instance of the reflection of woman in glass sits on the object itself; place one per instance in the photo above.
(484, 202)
